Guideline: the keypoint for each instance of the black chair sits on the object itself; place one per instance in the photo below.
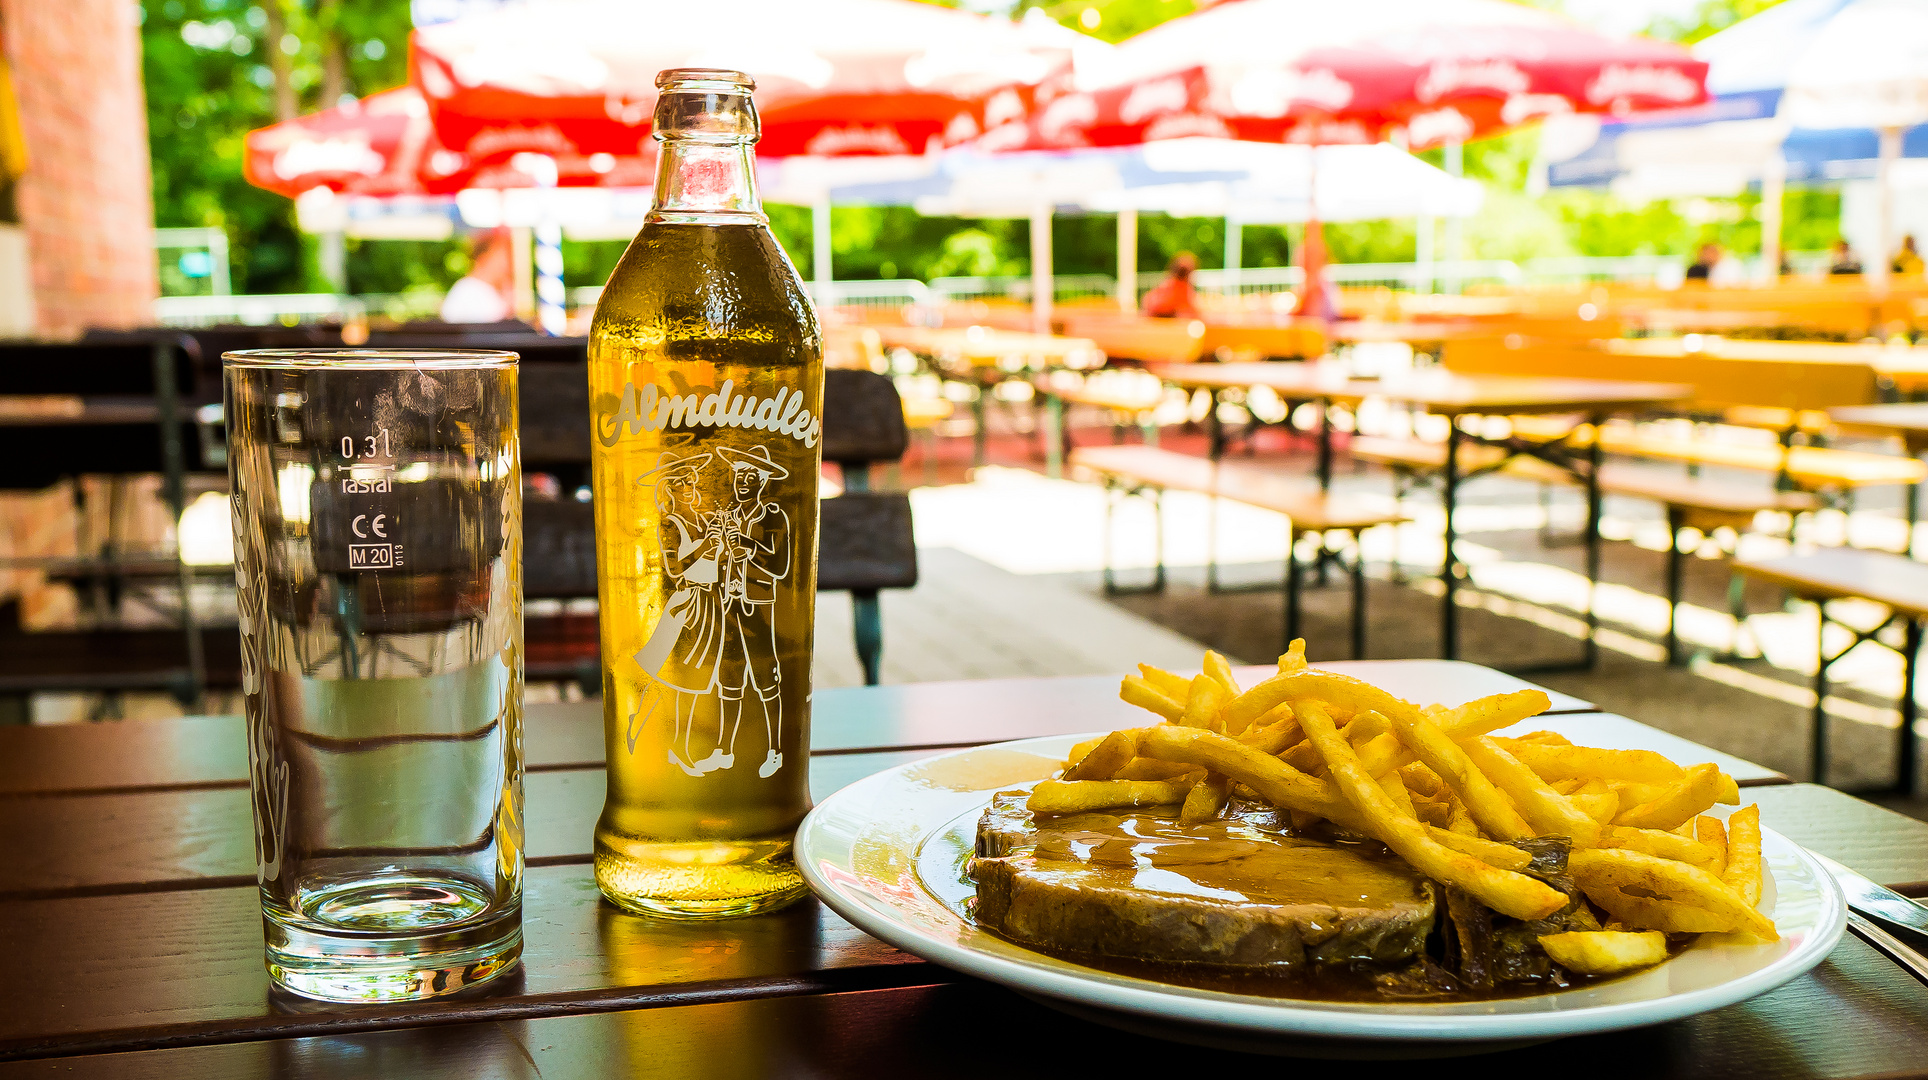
(865, 540)
(135, 412)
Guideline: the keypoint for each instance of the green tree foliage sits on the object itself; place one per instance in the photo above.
(209, 82)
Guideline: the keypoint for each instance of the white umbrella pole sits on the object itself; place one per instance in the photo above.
(1875, 263)
(1773, 192)
(1128, 260)
(1455, 153)
(1041, 284)
(1234, 255)
(820, 248)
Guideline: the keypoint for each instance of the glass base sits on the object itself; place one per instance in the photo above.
(699, 880)
(391, 940)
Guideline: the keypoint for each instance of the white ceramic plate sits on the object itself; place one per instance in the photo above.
(887, 853)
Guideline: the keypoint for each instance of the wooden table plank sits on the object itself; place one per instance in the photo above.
(1857, 1015)
(185, 966)
(210, 751)
(1437, 391)
(86, 844)
(1884, 577)
(190, 838)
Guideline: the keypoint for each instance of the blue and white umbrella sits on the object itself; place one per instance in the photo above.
(1807, 90)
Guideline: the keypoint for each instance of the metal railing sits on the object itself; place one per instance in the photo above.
(1063, 287)
(261, 309)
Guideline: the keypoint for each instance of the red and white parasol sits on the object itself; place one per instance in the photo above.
(1422, 72)
(834, 77)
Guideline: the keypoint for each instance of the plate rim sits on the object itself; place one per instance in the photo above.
(1287, 1017)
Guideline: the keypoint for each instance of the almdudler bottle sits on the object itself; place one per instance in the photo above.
(705, 385)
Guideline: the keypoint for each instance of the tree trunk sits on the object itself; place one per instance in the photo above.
(334, 55)
(278, 61)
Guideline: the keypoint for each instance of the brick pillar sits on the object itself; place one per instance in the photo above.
(87, 201)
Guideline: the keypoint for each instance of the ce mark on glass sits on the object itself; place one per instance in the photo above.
(376, 555)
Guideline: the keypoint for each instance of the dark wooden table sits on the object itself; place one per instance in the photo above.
(133, 929)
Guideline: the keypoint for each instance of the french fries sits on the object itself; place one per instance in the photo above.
(1605, 952)
(1084, 796)
(1491, 810)
(1114, 752)
(1548, 811)
(1700, 788)
(1609, 876)
(1446, 794)
(1509, 893)
(1743, 870)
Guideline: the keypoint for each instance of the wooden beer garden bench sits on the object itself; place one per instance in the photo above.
(1149, 471)
(1894, 581)
(1706, 506)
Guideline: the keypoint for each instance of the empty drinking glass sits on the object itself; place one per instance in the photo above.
(377, 499)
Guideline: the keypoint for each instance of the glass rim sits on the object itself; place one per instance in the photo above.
(376, 359)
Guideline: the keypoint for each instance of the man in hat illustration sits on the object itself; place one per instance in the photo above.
(753, 547)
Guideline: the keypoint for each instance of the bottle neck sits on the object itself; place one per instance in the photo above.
(706, 182)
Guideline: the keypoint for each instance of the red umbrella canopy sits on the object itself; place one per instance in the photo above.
(1317, 71)
(379, 145)
(833, 76)
(384, 144)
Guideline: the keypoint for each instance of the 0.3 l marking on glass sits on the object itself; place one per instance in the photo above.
(370, 476)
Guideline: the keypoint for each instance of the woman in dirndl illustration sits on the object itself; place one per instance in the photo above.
(681, 653)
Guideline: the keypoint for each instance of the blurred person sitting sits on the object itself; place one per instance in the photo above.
(1843, 260)
(1716, 267)
(482, 295)
(1173, 298)
(1908, 260)
(1703, 265)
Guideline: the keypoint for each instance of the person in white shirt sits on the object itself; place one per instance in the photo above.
(482, 295)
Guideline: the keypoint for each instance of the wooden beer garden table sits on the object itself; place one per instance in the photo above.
(1443, 393)
(133, 928)
(985, 356)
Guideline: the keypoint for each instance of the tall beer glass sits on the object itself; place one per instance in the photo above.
(705, 384)
(377, 501)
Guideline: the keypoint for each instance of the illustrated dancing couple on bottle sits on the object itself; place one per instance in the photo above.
(723, 555)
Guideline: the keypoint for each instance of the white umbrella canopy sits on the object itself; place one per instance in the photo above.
(1258, 183)
(1868, 67)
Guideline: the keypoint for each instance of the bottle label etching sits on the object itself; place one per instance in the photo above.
(727, 545)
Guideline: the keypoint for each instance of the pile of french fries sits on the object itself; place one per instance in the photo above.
(1435, 787)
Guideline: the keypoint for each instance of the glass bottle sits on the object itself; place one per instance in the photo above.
(705, 385)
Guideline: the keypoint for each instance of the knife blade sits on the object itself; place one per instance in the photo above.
(1895, 912)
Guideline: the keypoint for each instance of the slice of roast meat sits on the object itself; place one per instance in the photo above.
(1230, 893)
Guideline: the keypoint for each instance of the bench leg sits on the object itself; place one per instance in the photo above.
(1211, 546)
(981, 416)
(1674, 570)
(1908, 753)
(1358, 597)
(1818, 753)
(1054, 433)
(1111, 502)
(1158, 540)
(1914, 515)
(1449, 568)
(1291, 586)
(868, 618)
